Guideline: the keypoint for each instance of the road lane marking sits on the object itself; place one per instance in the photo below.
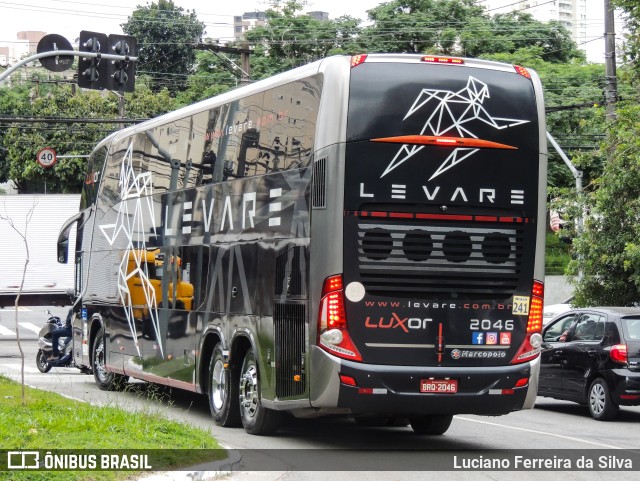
(31, 327)
(16, 367)
(569, 438)
(6, 331)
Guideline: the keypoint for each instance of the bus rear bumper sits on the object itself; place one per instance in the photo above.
(384, 389)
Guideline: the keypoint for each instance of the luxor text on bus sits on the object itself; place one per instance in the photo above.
(361, 236)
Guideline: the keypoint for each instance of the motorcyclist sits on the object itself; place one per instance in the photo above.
(56, 334)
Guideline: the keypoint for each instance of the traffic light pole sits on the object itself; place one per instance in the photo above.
(54, 53)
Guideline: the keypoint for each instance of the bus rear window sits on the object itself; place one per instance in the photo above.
(396, 99)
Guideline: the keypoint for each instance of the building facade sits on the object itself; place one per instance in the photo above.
(249, 20)
(25, 44)
(571, 13)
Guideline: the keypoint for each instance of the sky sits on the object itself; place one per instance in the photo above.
(69, 17)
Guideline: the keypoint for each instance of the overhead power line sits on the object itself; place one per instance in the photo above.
(68, 120)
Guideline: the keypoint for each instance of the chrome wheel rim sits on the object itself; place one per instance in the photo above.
(597, 398)
(249, 391)
(218, 394)
(99, 362)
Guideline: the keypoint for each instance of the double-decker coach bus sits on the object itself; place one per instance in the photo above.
(361, 236)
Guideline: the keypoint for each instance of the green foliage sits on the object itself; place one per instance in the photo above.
(166, 37)
(557, 255)
(290, 40)
(418, 26)
(20, 143)
(607, 252)
(212, 76)
(631, 9)
(461, 27)
(513, 32)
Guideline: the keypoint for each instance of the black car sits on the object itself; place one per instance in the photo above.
(592, 356)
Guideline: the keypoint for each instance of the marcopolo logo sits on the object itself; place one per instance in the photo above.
(458, 354)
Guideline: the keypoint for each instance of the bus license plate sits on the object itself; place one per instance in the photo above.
(440, 386)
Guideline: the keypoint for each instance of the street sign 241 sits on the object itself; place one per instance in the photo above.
(46, 157)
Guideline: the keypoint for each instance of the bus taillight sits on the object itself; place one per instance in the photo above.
(522, 71)
(437, 59)
(530, 348)
(358, 59)
(333, 335)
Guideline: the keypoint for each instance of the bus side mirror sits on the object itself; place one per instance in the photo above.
(63, 238)
(63, 251)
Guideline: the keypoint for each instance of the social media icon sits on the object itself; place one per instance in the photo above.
(477, 338)
(505, 338)
(492, 338)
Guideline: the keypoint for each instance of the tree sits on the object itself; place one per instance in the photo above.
(606, 261)
(212, 76)
(631, 9)
(166, 37)
(418, 26)
(511, 32)
(23, 235)
(20, 142)
(289, 40)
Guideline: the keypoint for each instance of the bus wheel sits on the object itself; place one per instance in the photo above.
(256, 419)
(223, 390)
(437, 424)
(107, 381)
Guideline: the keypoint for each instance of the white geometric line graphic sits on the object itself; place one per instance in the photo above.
(454, 159)
(443, 121)
(136, 192)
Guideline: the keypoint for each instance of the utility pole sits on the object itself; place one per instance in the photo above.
(244, 53)
(120, 107)
(610, 87)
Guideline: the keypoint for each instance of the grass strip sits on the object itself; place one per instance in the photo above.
(50, 421)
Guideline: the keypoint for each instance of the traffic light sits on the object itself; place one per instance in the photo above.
(121, 74)
(92, 71)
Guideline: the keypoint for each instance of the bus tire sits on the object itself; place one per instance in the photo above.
(223, 390)
(106, 380)
(256, 419)
(434, 425)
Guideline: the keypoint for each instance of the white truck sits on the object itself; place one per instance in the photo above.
(38, 218)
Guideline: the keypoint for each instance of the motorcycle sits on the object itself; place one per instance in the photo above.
(46, 348)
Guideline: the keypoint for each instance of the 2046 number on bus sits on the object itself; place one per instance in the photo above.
(439, 386)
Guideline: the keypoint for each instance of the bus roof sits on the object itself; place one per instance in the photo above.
(336, 61)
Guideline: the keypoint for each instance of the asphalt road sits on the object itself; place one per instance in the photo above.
(552, 425)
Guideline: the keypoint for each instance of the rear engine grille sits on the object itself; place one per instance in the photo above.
(289, 320)
(437, 257)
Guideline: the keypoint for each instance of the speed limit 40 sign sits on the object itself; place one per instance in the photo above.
(46, 157)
